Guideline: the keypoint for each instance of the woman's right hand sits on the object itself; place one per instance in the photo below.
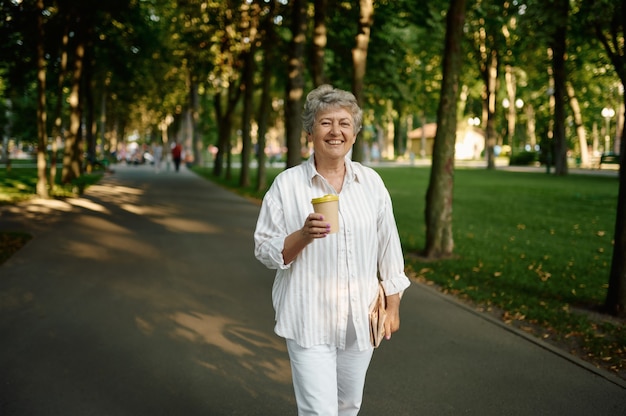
(315, 226)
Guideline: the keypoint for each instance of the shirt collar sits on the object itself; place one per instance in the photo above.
(351, 174)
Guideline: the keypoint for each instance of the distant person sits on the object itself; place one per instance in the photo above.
(325, 283)
(177, 154)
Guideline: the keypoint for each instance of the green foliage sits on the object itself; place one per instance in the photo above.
(523, 158)
(233, 182)
(20, 183)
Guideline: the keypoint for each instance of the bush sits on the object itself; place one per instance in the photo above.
(523, 158)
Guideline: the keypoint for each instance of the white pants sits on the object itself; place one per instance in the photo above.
(329, 381)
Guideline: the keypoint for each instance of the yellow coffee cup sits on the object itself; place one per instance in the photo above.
(328, 206)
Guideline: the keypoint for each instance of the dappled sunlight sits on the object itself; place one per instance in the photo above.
(102, 225)
(276, 370)
(234, 339)
(87, 204)
(137, 210)
(89, 251)
(115, 190)
(46, 206)
(107, 240)
(144, 210)
(210, 330)
(187, 226)
(116, 194)
(144, 326)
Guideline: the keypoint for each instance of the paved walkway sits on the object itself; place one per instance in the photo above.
(144, 298)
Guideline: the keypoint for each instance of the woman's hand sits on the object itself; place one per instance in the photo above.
(392, 323)
(314, 227)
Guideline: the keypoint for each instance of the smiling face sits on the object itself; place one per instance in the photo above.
(333, 134)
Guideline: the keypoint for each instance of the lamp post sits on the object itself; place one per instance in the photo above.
(607, 113)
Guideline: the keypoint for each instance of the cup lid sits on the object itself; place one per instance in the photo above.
(325, 198)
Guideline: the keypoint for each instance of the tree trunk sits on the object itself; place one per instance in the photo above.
(439, 238)
(580, 128)
(319, 43)
(42, 133)
(224, 127)
(90, 115)
(511, 93)
(295, 84)
(246, 130)
(72, 167)
(223, 134)
(265, 105)
(615, 302)
(194, 119)
(359, 61)
(58, 120)
(488, 66)
(559, 46)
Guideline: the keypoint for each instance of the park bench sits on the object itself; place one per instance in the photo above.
(609, 161)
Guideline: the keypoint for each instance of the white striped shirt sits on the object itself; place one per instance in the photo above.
(334, 276)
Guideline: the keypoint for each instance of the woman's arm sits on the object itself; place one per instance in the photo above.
(314, 227)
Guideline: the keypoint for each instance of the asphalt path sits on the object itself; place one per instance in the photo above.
(143, 297)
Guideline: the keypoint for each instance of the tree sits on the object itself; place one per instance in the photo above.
(319, 43)
(250, 16)
(359, 61)
(73, 155)
(295, 83)
(488, 42)
(439, 237)
(42, 132)
(608, 20)
(558, 46)
(268, 46)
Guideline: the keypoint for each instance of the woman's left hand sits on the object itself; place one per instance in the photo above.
(392, 323)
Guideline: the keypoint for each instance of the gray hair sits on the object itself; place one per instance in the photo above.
(325, 97)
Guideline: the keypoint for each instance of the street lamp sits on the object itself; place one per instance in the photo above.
(608, 113)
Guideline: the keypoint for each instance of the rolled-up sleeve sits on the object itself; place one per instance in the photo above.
(270, 234)
(390, 256)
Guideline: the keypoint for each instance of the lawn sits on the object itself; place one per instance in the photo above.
(530, 248)
(20, 184)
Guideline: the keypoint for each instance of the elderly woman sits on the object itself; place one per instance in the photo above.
(325, 283)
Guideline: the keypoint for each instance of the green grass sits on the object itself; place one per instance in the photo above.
(535, 247)
(20, 184)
